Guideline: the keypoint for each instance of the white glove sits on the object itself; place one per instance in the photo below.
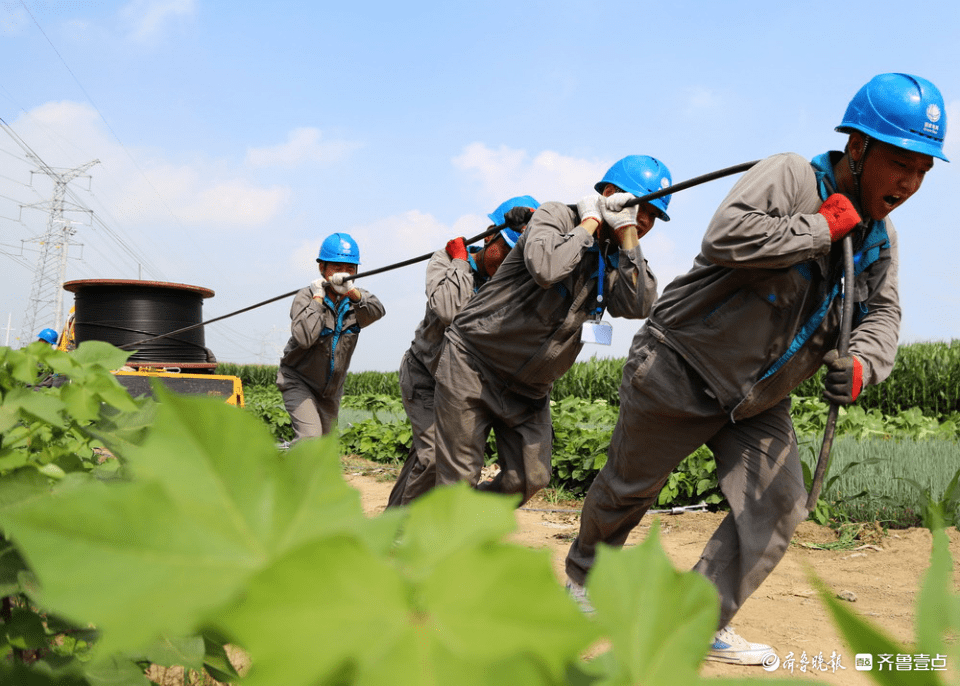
(589, 208)
(615, 215)
(341, 283)
(316, 287)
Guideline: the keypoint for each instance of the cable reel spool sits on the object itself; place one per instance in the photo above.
(125, 312)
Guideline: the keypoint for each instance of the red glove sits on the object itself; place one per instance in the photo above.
(844, 379)
(457, 249)
(840, 215)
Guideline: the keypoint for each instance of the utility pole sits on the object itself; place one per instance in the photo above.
(46, 294)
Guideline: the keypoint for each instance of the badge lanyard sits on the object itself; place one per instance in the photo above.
(594, 330)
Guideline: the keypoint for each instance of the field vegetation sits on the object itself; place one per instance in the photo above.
(139, 532)
(898, 447)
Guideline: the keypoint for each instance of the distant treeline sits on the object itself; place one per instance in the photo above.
(925, 375)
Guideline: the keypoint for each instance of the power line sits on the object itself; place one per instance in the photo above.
(102, 118)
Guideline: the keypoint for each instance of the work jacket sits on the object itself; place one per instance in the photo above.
(524, 324)
(323, 336)
(761, 305)
(450, 284)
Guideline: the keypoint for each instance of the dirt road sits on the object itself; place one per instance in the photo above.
(881, 572)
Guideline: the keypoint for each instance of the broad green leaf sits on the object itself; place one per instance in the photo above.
(25, 630)
(863, 637)
(216, 662)
(81, 401)
(100, 353)
(46, 408)
(445, 520)
(11, 565)
(116, 671)
(221, 466)
(938, 610)
(167, 652)
(660, 621)
(121, 430)
(315, 610)
(124, 558)
(508, 594)
(211, 504)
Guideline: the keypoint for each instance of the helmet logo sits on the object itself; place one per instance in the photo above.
(933, 113)
(664, 182)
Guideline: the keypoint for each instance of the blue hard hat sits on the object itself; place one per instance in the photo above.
(640, 175)
(339, 247)
(48, 335)
(900, 109)
(498, 216)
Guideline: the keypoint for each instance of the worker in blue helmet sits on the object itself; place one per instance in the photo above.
(523, 330)
(325, 322)
(454, 275)
(757, 314)
(48, 336)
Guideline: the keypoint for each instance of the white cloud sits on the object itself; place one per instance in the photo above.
(234, 203)
(700, 99)
(141, 186)
(505, 172)
(148, 18)
(303, 145)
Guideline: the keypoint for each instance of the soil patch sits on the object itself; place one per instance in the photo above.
(880, 574)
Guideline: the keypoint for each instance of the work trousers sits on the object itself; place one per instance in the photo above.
(419, 472)
(665, 414)
(470, 401)
(310, 414)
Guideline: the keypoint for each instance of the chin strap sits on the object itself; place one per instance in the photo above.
(856, 168)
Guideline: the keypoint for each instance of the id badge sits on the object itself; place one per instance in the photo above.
(598, 332)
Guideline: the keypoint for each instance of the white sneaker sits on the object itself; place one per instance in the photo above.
(579, 594)
(728, 646)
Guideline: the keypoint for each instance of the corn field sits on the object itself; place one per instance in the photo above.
(925, 376)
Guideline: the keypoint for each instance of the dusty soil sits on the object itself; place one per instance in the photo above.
(881, 571)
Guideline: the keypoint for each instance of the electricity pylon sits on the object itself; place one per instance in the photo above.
(45, 307)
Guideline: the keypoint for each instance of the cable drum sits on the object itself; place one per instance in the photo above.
(123, 313)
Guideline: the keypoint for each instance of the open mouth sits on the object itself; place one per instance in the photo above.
(891, 200)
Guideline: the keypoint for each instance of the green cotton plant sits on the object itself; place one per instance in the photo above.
(937, 627)
(582, 430)
(372, 439)
(694, 481)
(266, 402)
(935, 511)
(214, 535)
(48, 398)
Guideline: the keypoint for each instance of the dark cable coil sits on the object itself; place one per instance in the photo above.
(123, 313)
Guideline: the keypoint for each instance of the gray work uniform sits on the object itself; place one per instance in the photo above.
(715, 364)
(517, 336)
(450, 284)
(313, 369)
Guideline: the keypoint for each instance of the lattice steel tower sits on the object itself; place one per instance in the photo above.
(45, 307)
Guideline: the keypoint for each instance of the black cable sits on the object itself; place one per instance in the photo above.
(689, 183)
(696, 181)
(123, 315)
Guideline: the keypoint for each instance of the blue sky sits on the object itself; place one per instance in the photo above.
(234, 136)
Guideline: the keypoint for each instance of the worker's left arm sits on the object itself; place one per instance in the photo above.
(368, 308)
(632, 286)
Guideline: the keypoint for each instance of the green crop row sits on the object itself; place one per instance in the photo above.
(925, 376)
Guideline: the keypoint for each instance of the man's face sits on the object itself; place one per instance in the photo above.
(328, 269)
(646, 216)
(890, 176)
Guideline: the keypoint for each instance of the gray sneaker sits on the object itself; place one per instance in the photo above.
(579, 594)
(728, 646)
